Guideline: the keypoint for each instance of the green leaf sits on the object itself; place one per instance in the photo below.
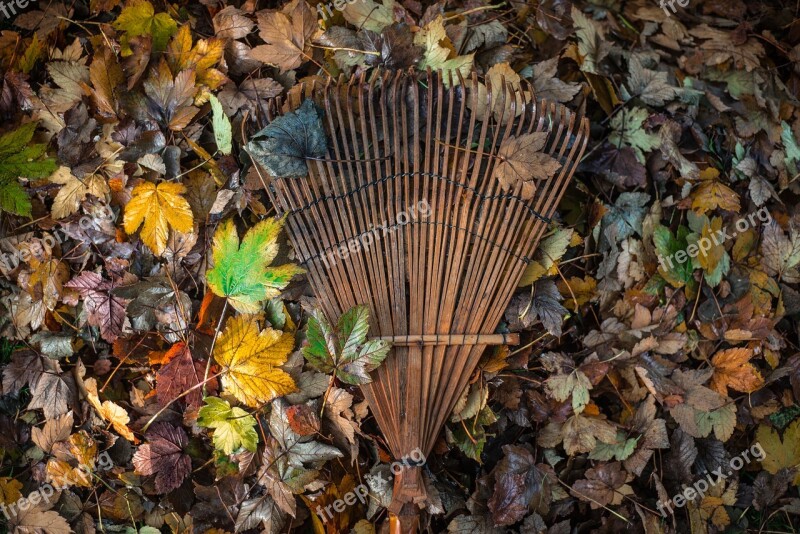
(285, 144)
(627, 129)
(243, 273)
(344, 351)
(576, 383)
(622, 449)
(676, 273)
(222, 127)
(791, 147)
(139, 18)
(19, 159)
(14, 199)
(233, 427)
(550, 250)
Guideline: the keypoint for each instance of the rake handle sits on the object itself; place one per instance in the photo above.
(453, 339)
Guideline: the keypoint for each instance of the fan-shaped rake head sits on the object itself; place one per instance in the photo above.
(424, 199)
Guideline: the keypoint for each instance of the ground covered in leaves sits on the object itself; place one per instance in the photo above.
(163, 365)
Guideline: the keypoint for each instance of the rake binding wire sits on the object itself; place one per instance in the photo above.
(437, 286)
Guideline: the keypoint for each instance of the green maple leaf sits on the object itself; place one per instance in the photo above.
(19, 158)
(667, 245)
(139, 18)
(242, 272)
(285, 144)
(344, 350)
(627, 129)
(233, 427)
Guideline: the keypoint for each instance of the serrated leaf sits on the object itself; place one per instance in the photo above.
(157, 208)
(250, 360)
(233, 427)
(242, 272)
(283, 146)
(344, 350)
(222, 127)
(522, 160)
(139, 18)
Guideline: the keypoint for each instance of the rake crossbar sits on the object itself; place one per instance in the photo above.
(453, 339)
(438, 284)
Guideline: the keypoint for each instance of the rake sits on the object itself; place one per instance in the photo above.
(399, 207)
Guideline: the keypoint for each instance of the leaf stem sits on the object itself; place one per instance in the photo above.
(159, 412)
(213, 344)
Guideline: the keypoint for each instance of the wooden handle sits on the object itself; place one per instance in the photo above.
(453, 339)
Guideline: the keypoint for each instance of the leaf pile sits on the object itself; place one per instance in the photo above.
(165, 367)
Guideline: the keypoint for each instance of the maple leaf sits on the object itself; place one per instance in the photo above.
(284, 144)
(712, 194)
(250, 360)
(74, 190)
(109, 411)
(53, 392)
(438, 51)
(603, 485)
(575, 384)
(521, 160)
(163, 456)
(627, 129)
(732, 369)
(516, 482)
(200, 58)
(781, 254)
(171, 98)
(103, 310)
(593, 46)
(242, 271)
(19, 158)
(139, 18)
(781, 453)
(157, 208)
(107, 80)
(233, 427)
(38, 518)
(179, 375)
(288, 34)
(295, 449)
(344, 350)
(47, 280)
(53, 431)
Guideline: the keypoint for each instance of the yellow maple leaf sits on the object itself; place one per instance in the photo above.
(250, 360)
(156, 209)
(74, 190)
(113, 413)
(732, 369)
(780, 453)
(201, 57)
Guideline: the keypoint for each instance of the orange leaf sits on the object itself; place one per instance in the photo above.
(732, 369)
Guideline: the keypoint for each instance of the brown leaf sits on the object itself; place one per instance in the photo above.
(163, 456)
(522, 161)
(288, 35)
